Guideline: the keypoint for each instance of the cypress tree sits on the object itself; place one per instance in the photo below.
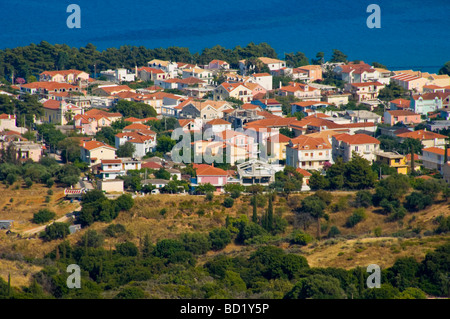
(270, 214)
(255, 211)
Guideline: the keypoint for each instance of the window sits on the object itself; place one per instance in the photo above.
(356, 148)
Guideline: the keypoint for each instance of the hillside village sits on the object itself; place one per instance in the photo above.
(255, 122)
(241, 179)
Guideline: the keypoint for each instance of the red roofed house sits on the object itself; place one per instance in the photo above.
(309, 73)
(399, 104)
(302, 91)
(240, 139)
(65, 76)
(109, 90)
(152, 74)
(210, 174)
(93, 152)
(218, 65)
(428, 138)
(433, 158)
(308, 152)
(263, 79)
(59, 112)
(366, 91)
(306, 175)
(233, 90)
(144, 140)
(364, 145)
(402, 116)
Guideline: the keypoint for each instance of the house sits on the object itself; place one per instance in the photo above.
(9, 136)
(308, 152)
(356, 72)
(65, 76)
(158, 183)
(93, 152)
(240, 139)
(394, 160)
(336, 98)
(205, 110)
(362, 116)
(233, 90)
(119, 75)
(110, 169)
(143, 140)
(27, 150)
(306, 175)
(218, 65)
(270, 105)
(427, 102)
(109, 90)
(256, 90)
(8, 122)
(263, 79)
(217, 125)
(365, 91)
(219, 151)
(433, 158)
(273, 64)
(307, 105)
(276, 146)
(302, 91)
(210, 174)
(255, 172)
(401, 116)
(199, 73)
(158, 76)
(364, 145)
(428, 139)
(59, 112)
(308, 73)
(409, 82)
(169, 67)
(399, 104)
(44, 89)
(190, 125)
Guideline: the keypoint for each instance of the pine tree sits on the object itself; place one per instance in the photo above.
(412, 161)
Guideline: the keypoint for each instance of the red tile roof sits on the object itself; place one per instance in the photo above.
(421, 135)
(279, 138)
(305, 173)
(436, 150)
(304, 142)
(91, 145)
(402, 113)
(356, 139)
(208, 170)
(218, 122)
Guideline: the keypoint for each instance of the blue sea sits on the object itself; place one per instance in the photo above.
(414, 34)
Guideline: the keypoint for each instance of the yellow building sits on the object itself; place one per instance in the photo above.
(277, 146)
(394, 160)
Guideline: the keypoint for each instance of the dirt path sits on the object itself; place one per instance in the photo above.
(38, 229)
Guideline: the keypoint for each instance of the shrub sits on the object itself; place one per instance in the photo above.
(114, 230)
(358, 216)
(196, 243)
(163, 212)
(377, 232)
(363, 198)
(417, 201)
(340, 206)
(47, 199)
(300, 238)
(209, 196)
(228, 202)
(11, 178)
(91, 239)
(334, 231)
(50, 192)
(55, 231)
(219, 238)
(28, 182)
(43, 216)
(127, 249)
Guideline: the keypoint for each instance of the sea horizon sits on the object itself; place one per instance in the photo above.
(412, 34)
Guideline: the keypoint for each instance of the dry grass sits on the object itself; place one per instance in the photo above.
(20, 272)
(181, 215)
(25, 202)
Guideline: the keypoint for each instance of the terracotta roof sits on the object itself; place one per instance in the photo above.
(269, 101)
(151, 165)
(91, 145)
(356, 139)
(279, 138)
(249, 106)
(151, 70)
(402, 113)
(260, 74)
(191, 80)
(266, 60)
(115, 88)
(208, 170)
(364, 84)
(431, 96)
(421, 135)
(4, 116)
(218, 122)
(136, 126)
(436, 150)
(401, 102)
(62, 72)
(274, 122)
(93, 112)
(111, 161)
(304, 142)
(305, 173)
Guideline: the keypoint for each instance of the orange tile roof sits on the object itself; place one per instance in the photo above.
(208, 170)
(218, 122)
(436, 150)
(62, 72)
(304, 172)
(91, 145)
(274, 122)
(402, 113)
(260, 74)
(136, 126)
(421, 135)
(304, 142)
(111, 161)
(356, 139)
(279, 138)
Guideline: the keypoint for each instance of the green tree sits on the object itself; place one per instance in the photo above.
(127, 149)
(55, 231)
(43, 216)
(317, 287)
(445, 69)
(338, 56)
(219, 238)
(314, 206)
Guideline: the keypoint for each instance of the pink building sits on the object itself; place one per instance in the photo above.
(213, 175)
(404, 116)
